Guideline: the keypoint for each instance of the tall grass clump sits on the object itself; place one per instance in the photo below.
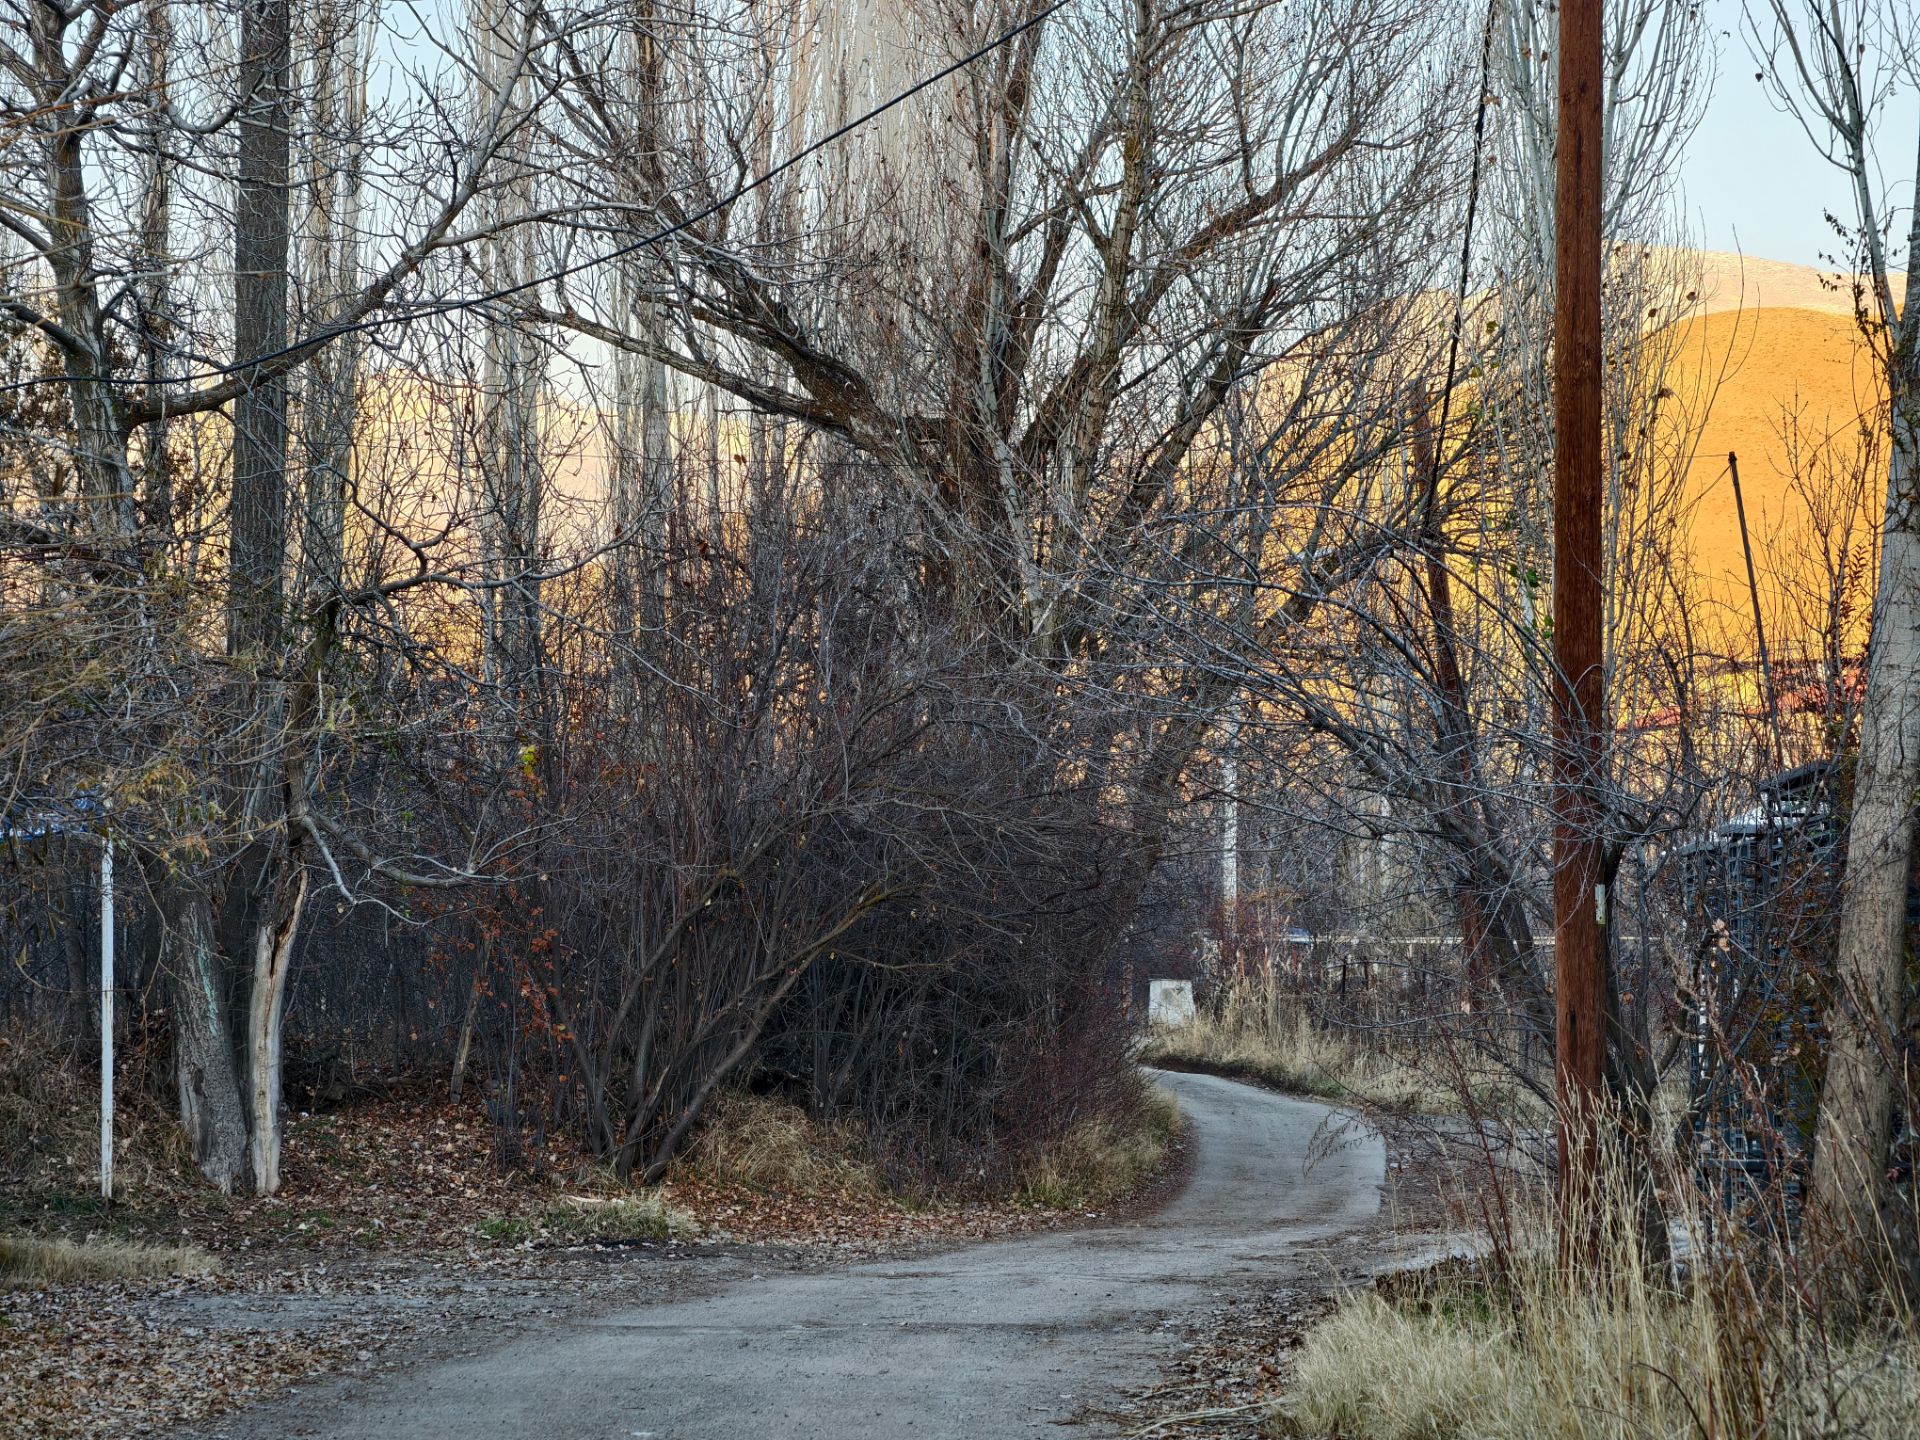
(1724, 1341)
(765, 1143)
(1104, 1156)
(33, 1260)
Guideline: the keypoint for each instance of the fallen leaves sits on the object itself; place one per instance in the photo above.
(98, 1361)
(396, 1224)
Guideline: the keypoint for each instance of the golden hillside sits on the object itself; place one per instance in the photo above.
(1778, 350)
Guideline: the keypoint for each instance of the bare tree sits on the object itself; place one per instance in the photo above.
(1833, 65)
(217, 800)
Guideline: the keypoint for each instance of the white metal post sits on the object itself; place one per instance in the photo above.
(1230, 831)
(106, 1018)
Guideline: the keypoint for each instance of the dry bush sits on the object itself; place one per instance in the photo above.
(772, 1144)
(1257, 1033)
(45, 1117)
(1103, 1157)
(30, 1260)
(1525, 1348)
(50, 1121)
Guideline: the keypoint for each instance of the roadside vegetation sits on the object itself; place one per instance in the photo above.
(771, 1144)
(400, 1168)
(1104, 1157)
(1731, 1334)
(1260, 1031)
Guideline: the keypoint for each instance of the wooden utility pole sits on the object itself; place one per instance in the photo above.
(1579, 890)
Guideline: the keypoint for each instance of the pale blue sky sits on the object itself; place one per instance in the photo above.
(1753, 181)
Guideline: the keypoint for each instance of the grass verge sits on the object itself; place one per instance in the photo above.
(1254, 1037)
(1559, 1362)
(1730, 1343)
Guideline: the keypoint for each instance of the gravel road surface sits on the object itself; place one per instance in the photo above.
(997, 1341)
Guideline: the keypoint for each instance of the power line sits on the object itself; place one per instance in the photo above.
(474, 302)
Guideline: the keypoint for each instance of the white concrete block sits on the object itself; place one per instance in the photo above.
(1170, 1003)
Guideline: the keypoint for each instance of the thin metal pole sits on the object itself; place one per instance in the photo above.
(1579, 891)
(1759, 625)
(106, 1018)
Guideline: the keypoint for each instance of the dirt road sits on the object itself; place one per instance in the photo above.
(997, 1341)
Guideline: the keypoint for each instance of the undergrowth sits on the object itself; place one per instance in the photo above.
(773, 1145)
(765, 1143)
(50, 1117)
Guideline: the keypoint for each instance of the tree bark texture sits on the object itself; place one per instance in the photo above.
(260, 244)
(1850, 1194)
(211, 1108)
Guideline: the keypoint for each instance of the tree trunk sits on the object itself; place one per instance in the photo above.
(267, 915)
(1850, 1194)
(272, 958)
(210, 1103)
(513, 375)
(260, 242)
(334, 45)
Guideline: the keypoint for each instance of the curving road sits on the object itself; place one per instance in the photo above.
(997, 1341)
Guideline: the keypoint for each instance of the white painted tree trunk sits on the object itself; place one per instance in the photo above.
(267, 998)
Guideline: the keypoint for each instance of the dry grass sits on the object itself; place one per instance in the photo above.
(1103, 1158)
(29, 1260)
(1258, 1034)
(775, 1146)
(768, 1144)
(1623, 1352)
(1563, 1363)
(44, 1120)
